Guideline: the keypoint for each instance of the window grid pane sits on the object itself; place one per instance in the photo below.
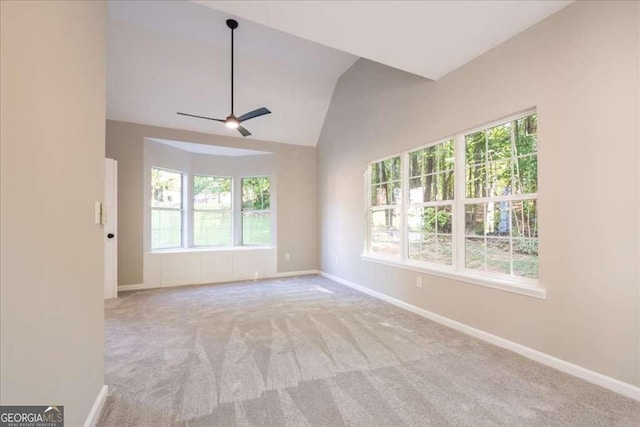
(429, 215)
(431, 173)
(212, 228)
(508, 232)
(385, 190)
(256, 215)
(212, 201)
(256, 193)
(166, 228)
(166, 209)
(501, 161)
(211, 192)
(429, 231)
(166, 189)
(256, 227)
(385, 232)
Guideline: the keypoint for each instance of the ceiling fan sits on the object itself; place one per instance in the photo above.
(232, 121)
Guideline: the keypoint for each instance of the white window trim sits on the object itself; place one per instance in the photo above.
(457, 271)
(477, 278)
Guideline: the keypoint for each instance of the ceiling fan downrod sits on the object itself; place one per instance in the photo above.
(232, 121)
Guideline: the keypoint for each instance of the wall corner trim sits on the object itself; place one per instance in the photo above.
(96, 409)
(602, 380)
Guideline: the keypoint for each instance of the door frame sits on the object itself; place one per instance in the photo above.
(110, 223)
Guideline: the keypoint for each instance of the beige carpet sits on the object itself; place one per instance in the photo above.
(306, 351)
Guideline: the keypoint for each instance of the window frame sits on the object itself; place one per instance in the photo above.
(182, 209)
(193, 211)
(243, 210)
(457, 270)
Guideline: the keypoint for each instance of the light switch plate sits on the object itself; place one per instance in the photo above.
(97, 213)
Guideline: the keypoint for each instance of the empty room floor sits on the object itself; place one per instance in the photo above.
(307, 351)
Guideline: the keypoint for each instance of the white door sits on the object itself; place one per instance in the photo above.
(110, 221)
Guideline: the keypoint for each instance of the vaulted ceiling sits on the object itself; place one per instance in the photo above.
(427, 38)
(169, 56)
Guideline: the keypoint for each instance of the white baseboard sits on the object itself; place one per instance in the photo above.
(123, 288)
(607, 382)
(296, 273)
(96, 410)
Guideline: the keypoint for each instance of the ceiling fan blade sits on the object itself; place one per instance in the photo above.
(255, 113)
(243, 131)
(201, 117)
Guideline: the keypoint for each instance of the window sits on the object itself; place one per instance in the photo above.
(466, 205)
(256, 216)
(501, 229)
(385, 208)
(166, 209)
(431, 191)
(202, 214)
(211, 211)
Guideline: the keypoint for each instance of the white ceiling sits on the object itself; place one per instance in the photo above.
(214, 150)
(427, 38)
(170, 56)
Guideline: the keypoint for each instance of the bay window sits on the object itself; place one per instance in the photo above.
(188, 211)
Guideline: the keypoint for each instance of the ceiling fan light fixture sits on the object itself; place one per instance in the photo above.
(232, 123)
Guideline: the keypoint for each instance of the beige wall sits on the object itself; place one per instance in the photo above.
(580, 69)
(52, 144)
(295, 170)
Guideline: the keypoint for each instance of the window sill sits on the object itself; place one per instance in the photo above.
(490, 282)
(210, 249)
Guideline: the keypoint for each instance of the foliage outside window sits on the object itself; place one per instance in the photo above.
(256, 214)
(493, 202)
(166, 209)
(212, 211)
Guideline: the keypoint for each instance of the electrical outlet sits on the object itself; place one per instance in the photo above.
(419, 282)
(287, 257)
(337, 260)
